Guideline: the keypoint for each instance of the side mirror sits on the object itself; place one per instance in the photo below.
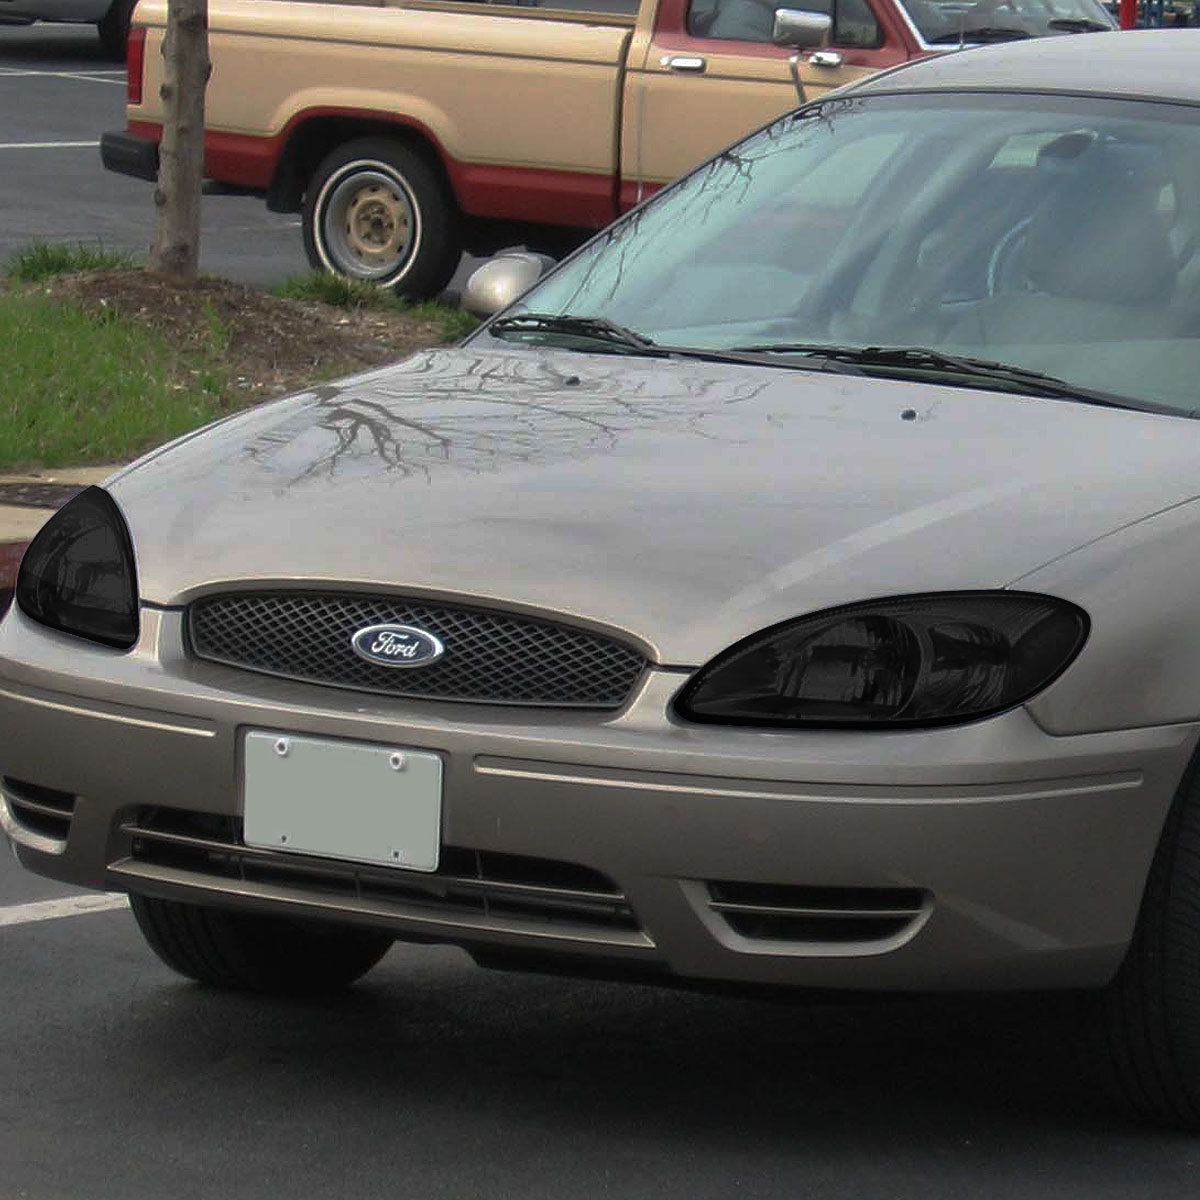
(503, 279)
(802, 29)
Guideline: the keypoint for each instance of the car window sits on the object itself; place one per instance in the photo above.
(1061, 235)
(948, 21)
(854, 23)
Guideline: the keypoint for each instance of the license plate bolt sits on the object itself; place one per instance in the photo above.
(396, 761)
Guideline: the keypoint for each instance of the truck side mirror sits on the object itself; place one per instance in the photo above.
(802, 29)
(503, 279)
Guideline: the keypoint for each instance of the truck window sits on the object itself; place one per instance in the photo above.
(627, 8)
(854, 23)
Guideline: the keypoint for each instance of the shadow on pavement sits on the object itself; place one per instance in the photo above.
(44, 44)
(585, 1057)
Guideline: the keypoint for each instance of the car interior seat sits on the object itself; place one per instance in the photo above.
(1096, 262)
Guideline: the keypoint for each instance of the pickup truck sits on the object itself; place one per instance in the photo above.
(406, 131)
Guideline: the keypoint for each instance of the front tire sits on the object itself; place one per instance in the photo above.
(247, 952)
(376, 211)
(1145, 1026)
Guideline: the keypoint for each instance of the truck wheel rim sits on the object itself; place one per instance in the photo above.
(368, 223)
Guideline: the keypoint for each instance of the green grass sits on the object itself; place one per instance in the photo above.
(218, 330)
(321, 287)
(44, 260)
(108, 398)
(456, 323)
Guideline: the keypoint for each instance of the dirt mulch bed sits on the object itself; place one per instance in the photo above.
(38, 495)
(269, 346)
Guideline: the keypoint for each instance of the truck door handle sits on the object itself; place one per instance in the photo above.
(825, 58)
(683, 62)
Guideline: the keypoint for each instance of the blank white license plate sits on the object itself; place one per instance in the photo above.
(358, 801)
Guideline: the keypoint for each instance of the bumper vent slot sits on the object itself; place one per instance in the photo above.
(490, 657)
(39, 810)
(826, 915)
(477, 884)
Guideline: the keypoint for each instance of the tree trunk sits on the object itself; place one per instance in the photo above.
(175, 255)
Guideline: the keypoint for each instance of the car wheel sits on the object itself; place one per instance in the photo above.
(1145, 1025)
(114, 28)
(248, 952)
(377, 211)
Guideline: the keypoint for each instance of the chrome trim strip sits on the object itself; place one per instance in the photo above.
(989, 794)
(824, 914)
(716, 923)
(77, 710)
(129, 873)
(19, 835)
(433, 884)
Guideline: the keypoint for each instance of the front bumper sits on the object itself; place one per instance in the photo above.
(128, 154)
(1016, 859)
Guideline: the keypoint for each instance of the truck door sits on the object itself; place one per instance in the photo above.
(710, 74)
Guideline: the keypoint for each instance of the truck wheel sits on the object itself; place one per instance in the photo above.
(247, 952)
(376, 211)
(1145, 1026)
(114, 28)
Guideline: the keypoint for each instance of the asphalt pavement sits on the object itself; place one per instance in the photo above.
(439, 1080)
(58, 94)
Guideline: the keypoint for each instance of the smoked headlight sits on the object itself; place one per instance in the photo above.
(915, 660)
(78, 574)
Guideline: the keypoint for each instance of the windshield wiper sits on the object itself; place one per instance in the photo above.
(613, 337)
(973, 371)
(982, 33)
(1078, 25)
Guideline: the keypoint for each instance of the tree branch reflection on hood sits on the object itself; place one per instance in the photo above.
(479, 411)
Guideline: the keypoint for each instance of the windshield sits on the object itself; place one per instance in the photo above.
(1056, 235)
(944, 22)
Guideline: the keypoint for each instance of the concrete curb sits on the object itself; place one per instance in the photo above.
(19, 522)
(84, 476)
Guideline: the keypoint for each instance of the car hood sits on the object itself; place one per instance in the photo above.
(688, 504)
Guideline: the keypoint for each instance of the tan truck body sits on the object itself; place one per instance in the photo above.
(529, 118)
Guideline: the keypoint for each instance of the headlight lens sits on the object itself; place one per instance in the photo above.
(915, 660)
(78, 574)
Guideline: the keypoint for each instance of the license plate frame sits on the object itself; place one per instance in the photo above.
(361, 802)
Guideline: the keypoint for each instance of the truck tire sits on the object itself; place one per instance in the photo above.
(375, 210)
(114, 28)
(246, 952)
(1145, 1026)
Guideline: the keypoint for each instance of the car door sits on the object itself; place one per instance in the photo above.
(708, 73)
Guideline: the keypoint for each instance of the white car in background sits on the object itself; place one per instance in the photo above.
(111, 17)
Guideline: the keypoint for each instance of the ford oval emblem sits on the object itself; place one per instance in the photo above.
(397, 646)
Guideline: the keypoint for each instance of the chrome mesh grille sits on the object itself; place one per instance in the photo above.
(491, 657)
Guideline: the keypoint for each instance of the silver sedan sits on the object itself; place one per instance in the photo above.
(796, 587)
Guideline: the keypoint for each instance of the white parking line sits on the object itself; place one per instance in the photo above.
(48, 145)
(86, 77)
(69, 906)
